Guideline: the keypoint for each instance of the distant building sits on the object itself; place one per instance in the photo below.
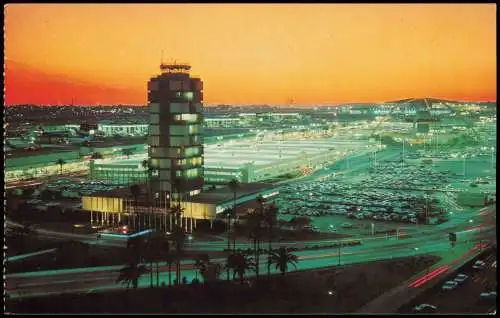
(222, 122)
(124, 129)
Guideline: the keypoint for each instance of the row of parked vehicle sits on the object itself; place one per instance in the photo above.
(460, 279)
(368, 194)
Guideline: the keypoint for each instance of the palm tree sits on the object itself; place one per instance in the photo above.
(136, 249)
(127, 152)
(255, 231)
(178, 189)
(60, 162)
(149, 170)
(233, 186)
(131, 274)
(158, 246)
(271, 221)
(240, 263)
(150, 255)
(228, 212)
(179, 238)
(211, 272)
(201, 262)
(169, 258)
(282, 257)
(177, 212)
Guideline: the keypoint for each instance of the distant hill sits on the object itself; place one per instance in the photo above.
(429, 100)
(439, 100)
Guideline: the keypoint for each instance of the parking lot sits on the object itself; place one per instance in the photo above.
(65, 192)
(389, 194)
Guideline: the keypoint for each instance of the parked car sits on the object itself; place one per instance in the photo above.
(425, 308)
(449, 285)
(479, 265)
(461, 278)
(488, 295)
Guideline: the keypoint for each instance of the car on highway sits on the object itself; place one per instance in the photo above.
(479, 265)
(449, 285)
(346, 225)
(461, 278)
(488, 295)
(425, 308)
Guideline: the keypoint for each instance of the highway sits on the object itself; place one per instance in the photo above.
(479, 281)
(393, 299)
(41, 180)
(79, 280)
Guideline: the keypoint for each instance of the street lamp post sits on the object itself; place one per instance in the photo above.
(373, 229)
(437, 141)
(492, 155)
(415, 249)
(480, 238)
(339, 252)
(463, 157)
(403, 162)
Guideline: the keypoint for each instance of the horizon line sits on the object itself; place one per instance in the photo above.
(260, 104)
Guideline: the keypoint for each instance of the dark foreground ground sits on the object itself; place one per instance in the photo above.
(332, 290)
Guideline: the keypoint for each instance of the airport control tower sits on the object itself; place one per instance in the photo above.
(175, 132)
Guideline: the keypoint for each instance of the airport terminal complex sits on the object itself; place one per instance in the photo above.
(185, 156)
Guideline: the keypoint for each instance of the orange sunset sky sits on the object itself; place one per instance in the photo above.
(248, 53)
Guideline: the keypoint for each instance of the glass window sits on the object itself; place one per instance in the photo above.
(188, 96)
(178, 130)
(194, 129)
(164, 163)
(187, 117)
(154, 108)
(192, 151)
(178, 141)
(154, 119)
(175, 85)
(154, 140)
(179, 107)
(154, 130)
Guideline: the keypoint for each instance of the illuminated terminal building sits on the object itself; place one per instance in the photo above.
(174, 173)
